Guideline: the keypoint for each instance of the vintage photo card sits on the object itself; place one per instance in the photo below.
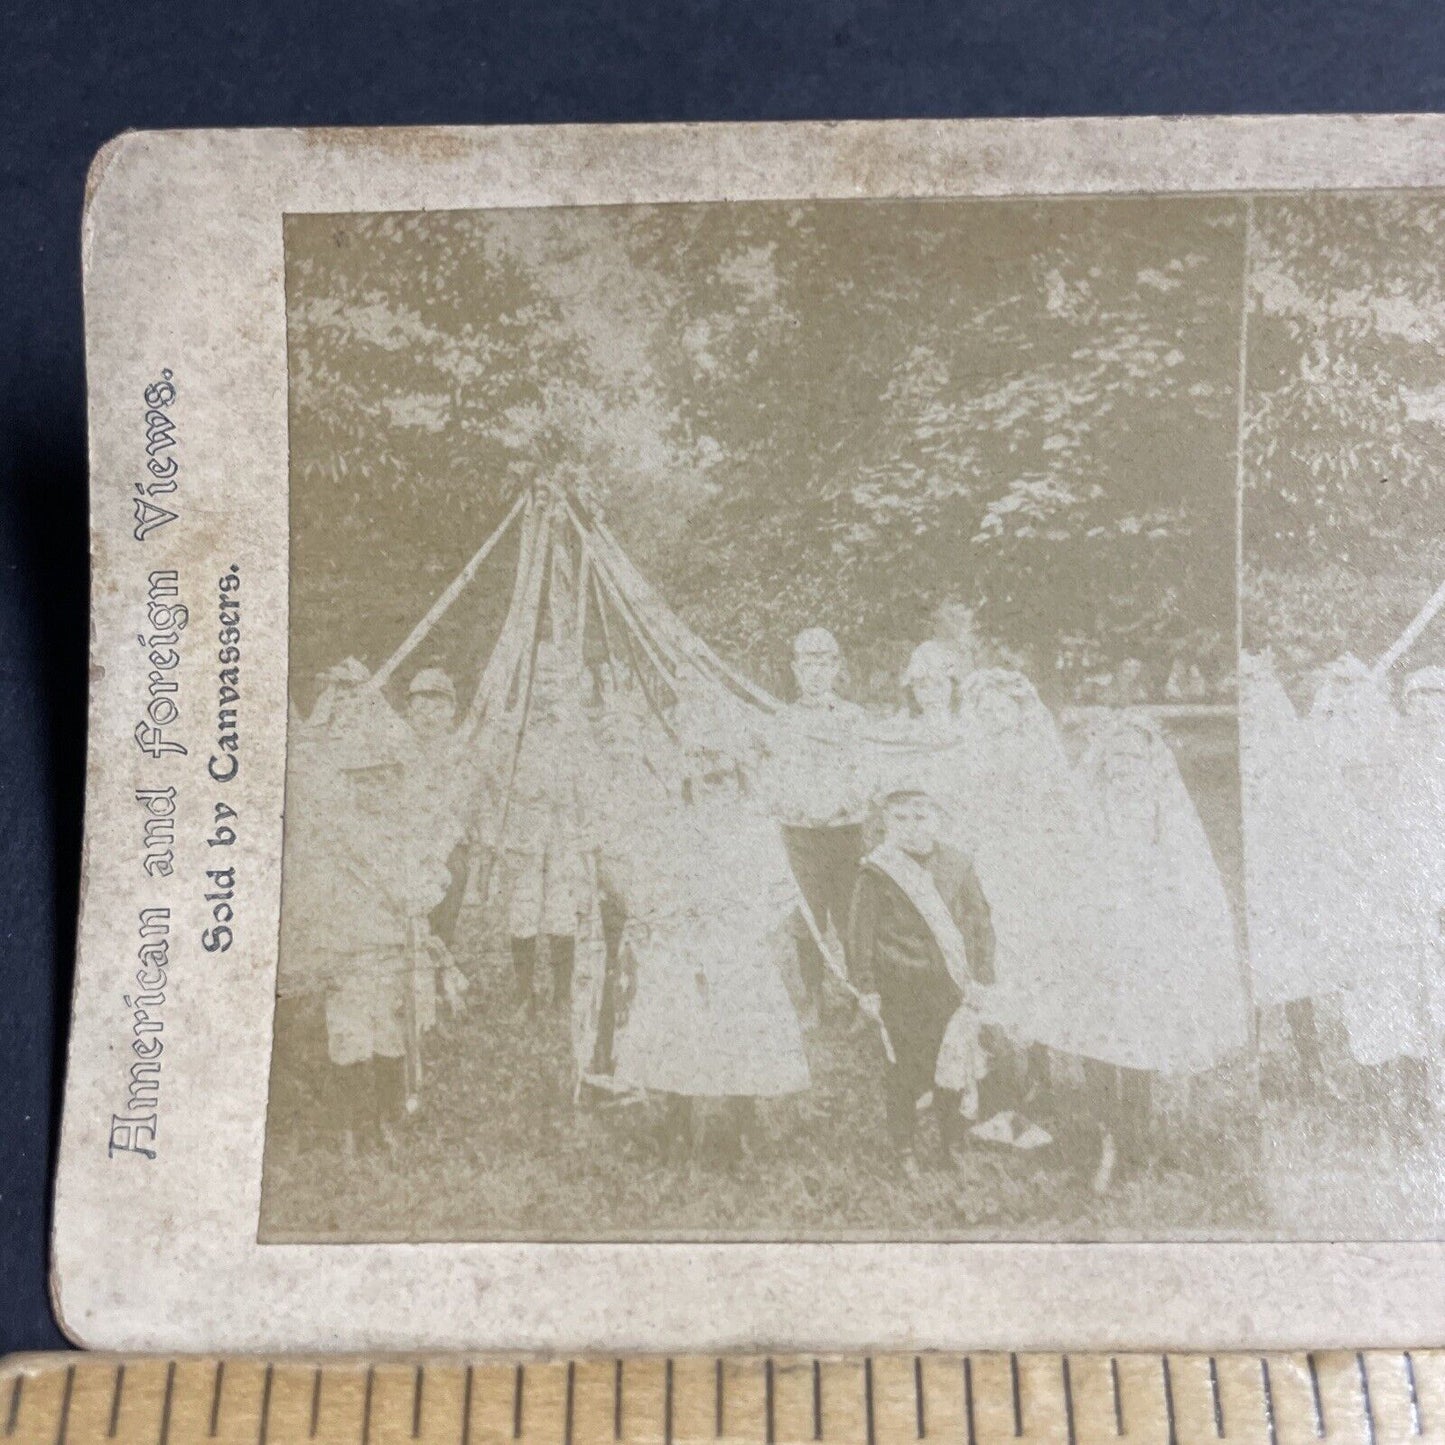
(786, 735)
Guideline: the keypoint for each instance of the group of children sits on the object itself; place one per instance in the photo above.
(1012, 916)
(704, 888)
(373, 872)
(1344, 804)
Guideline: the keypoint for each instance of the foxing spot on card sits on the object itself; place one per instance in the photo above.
(819, 730)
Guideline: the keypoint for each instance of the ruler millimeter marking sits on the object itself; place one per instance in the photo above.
(1370, 1397)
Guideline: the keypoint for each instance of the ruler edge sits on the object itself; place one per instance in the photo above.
(1334, 1369)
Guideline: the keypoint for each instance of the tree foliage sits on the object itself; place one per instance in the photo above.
(873, 415)
(1345, 425)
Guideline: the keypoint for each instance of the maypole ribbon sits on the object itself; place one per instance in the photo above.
(837, 970)
(1407, 639)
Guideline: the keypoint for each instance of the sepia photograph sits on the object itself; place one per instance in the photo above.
(763, 755)
(1343, 705)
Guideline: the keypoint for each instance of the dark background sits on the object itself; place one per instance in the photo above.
(72, 76)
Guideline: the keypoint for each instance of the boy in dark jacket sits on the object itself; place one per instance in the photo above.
(920, 941)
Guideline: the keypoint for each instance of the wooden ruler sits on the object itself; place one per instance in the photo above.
(1274, 1399)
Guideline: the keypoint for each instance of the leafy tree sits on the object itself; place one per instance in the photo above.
(1345, 426)
(872, 414)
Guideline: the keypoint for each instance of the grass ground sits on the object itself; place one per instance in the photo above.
(499, 1150)
(1359, 1158)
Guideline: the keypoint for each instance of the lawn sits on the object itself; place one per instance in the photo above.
(499, 1150)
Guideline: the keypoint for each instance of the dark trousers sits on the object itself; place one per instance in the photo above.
(613, 919)
(916, 1020)
(368, 1095)
(561, 952)
(900, 1100)
(825, 864)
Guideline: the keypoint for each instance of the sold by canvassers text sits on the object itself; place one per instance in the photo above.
(224, 764)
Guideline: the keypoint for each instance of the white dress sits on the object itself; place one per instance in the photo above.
(1420, 817)
(707, 903)
(1362, 891)
(1021, 821)
(381, 881)
(1291, 849)
(1171, 996)
(317, 803)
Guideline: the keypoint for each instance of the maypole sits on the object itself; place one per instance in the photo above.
(560, 592)
(501, 663)
(579, 617)
(634, 597)
(673, 656)
(666, 669)
(697, 651)
(525, 619)
(638, 671)
(1407, 639)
